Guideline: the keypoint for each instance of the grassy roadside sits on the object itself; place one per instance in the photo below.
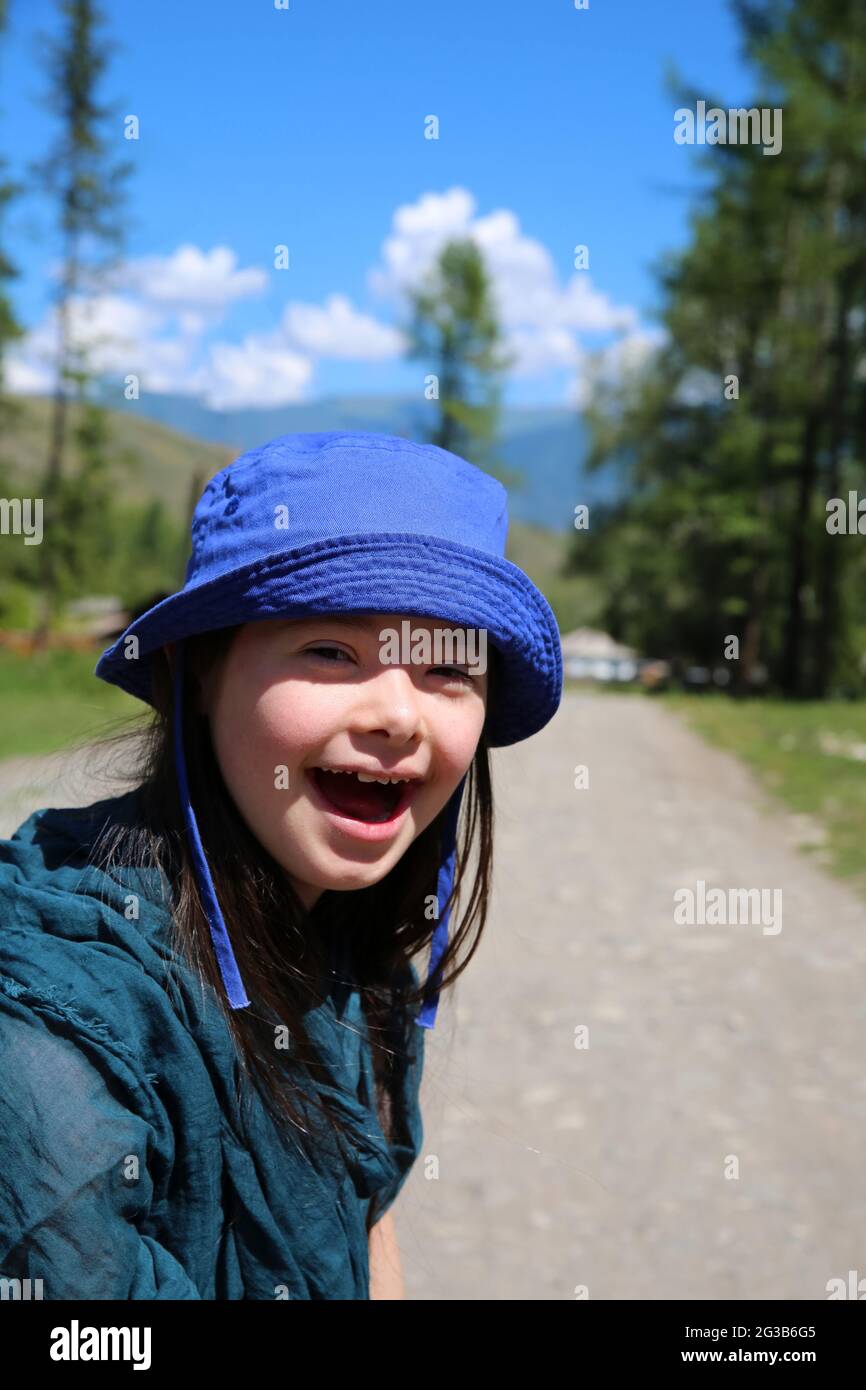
(51, 700)
(812, 756)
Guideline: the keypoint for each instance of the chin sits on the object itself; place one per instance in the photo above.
(348, 877)
(345, 883)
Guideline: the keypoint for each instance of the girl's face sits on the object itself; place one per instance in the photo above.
(293, 697)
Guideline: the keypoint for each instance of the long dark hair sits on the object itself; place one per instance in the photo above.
(283, 950)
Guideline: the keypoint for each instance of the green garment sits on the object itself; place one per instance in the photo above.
(127, 1168)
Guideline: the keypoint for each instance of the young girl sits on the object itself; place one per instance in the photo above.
(211, 1023)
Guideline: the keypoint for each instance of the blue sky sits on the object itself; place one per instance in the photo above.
(305, 127)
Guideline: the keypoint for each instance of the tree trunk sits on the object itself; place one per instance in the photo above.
(792, 659)
(54, 469)
(829, 625)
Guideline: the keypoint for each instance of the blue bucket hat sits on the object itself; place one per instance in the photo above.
(352, 523)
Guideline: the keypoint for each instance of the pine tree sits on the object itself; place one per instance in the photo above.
(10, 328)
(87, 187)
(454, 326)
(722, 522)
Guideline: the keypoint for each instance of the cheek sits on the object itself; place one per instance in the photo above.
(456, 731)
(259, 728)
(290, 719)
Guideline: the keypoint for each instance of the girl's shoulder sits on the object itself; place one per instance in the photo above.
(59, 845)
(89, 946)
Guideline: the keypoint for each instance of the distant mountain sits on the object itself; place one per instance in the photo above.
(148, 460)
(544, 448)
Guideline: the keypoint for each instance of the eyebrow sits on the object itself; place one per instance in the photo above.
(372, 622)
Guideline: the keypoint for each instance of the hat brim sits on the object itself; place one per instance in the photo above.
(411, 574)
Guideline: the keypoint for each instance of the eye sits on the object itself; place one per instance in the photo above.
(331, 653)
(454, 673)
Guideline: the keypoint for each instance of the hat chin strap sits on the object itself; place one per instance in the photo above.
(445, 882)
(228, 966)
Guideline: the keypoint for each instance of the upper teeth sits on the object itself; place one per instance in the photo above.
(366, 776)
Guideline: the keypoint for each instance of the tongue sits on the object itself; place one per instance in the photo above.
(370, 801)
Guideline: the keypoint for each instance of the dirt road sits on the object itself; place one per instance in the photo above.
(710, 1140)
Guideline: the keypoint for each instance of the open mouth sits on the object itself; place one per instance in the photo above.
(364, 800)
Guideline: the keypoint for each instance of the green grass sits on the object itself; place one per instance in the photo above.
(804, 754)
(52, 699)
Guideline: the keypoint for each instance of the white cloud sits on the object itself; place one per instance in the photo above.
(154, 321)
(541, 350)
(615, 362)
(260, 371)
(157, 319)
(541, 317)
(339, 331)
(112, 328)
(117, 335)
(27, 378)
(158, 316)
(587, 310)
(204, 282)
(163, 365)
(420, 230)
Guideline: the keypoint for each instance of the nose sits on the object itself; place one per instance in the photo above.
(390, 706)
